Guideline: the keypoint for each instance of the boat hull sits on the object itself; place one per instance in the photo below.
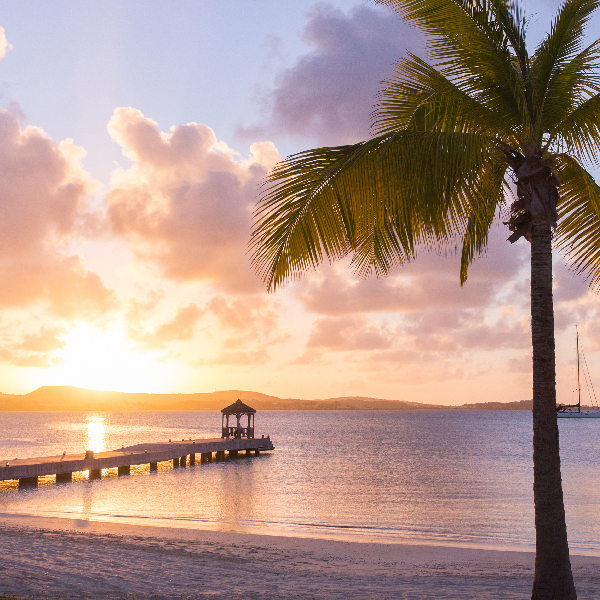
(584, 414)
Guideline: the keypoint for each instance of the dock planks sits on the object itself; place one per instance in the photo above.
(29, 469)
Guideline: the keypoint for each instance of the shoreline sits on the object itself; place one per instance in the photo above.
(72, 558)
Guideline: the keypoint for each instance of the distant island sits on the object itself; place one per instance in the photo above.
(69, 398)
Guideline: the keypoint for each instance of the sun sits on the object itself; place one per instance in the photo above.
(95, 358)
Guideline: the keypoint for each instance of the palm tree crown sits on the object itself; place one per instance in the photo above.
(449, 140)
(485, 128)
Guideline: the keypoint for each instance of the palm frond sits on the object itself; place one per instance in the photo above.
(471, 41)
(381, 199)
(482, 214)
(580, 130)
(419, 97)
(551, 60)
(570, 85)
(578, 231)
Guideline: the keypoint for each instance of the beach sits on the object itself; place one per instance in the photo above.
(64, 558)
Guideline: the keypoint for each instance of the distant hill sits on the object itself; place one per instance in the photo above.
(517, 405)
(66, 398)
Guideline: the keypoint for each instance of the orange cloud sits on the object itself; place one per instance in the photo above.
(59, 283)
(240, 329)
(181, 327)
(185, 203)
(35, 349)
(248, 326)
(234, 357)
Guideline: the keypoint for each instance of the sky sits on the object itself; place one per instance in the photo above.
(133, 141)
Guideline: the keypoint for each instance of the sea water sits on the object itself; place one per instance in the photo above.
(442, 477)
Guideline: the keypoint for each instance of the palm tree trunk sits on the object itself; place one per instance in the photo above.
(553, 577)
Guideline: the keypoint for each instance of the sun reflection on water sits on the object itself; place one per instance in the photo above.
(96, 431)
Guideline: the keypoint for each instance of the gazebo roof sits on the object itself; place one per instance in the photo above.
(238, 408)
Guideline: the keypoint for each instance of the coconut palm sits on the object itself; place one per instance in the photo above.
(486, 128)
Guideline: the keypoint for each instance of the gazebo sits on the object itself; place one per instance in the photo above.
(237, 431)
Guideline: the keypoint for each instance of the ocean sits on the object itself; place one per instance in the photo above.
(441, 477)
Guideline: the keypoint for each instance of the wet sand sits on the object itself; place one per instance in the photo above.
(60, 558)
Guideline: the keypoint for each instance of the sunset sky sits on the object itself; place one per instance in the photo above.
(133, 141)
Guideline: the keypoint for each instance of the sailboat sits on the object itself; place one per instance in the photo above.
(573, 411)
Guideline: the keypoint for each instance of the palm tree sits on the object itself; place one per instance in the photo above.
(454, 142)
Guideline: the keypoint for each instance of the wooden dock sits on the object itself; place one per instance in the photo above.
(180, 453)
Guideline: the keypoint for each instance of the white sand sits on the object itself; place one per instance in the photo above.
(59, 558)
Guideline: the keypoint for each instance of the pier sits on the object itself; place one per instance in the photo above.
(180, 453)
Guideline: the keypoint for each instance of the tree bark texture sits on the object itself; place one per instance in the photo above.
(553, 577)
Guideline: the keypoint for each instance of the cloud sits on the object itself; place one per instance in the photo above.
(568, 285)
(44, 194)
(420, 314)
(4, 45)
(228, 329)
(234, 357)
(329, 94)
(248, 317)
(429, 282)
(248, 328)
(185, 204)
(43, 188)
(181, 327)
(348, 333)
(35, 349)
(60, 283)
(454, 331)
(520, 364)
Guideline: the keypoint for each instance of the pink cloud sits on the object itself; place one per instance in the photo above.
(421, 315)
(520, 364)
(185, 204)
(44, 206)
(349, 333)
(328, 95)
(429, 282)
(43, 189)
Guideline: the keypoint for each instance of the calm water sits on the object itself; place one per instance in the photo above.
(435, 476)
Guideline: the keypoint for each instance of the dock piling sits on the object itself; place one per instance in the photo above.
(176, 463)
(182, 461)
(192, 459)
(220, 455)
(205, 457)
(153, 466)
(28, 482)
(95, 474)
(126, 470)
(64, 477)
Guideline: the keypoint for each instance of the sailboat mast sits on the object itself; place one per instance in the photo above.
(578, 382)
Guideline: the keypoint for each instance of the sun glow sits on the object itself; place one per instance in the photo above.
(96, 428)
(105, 360)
